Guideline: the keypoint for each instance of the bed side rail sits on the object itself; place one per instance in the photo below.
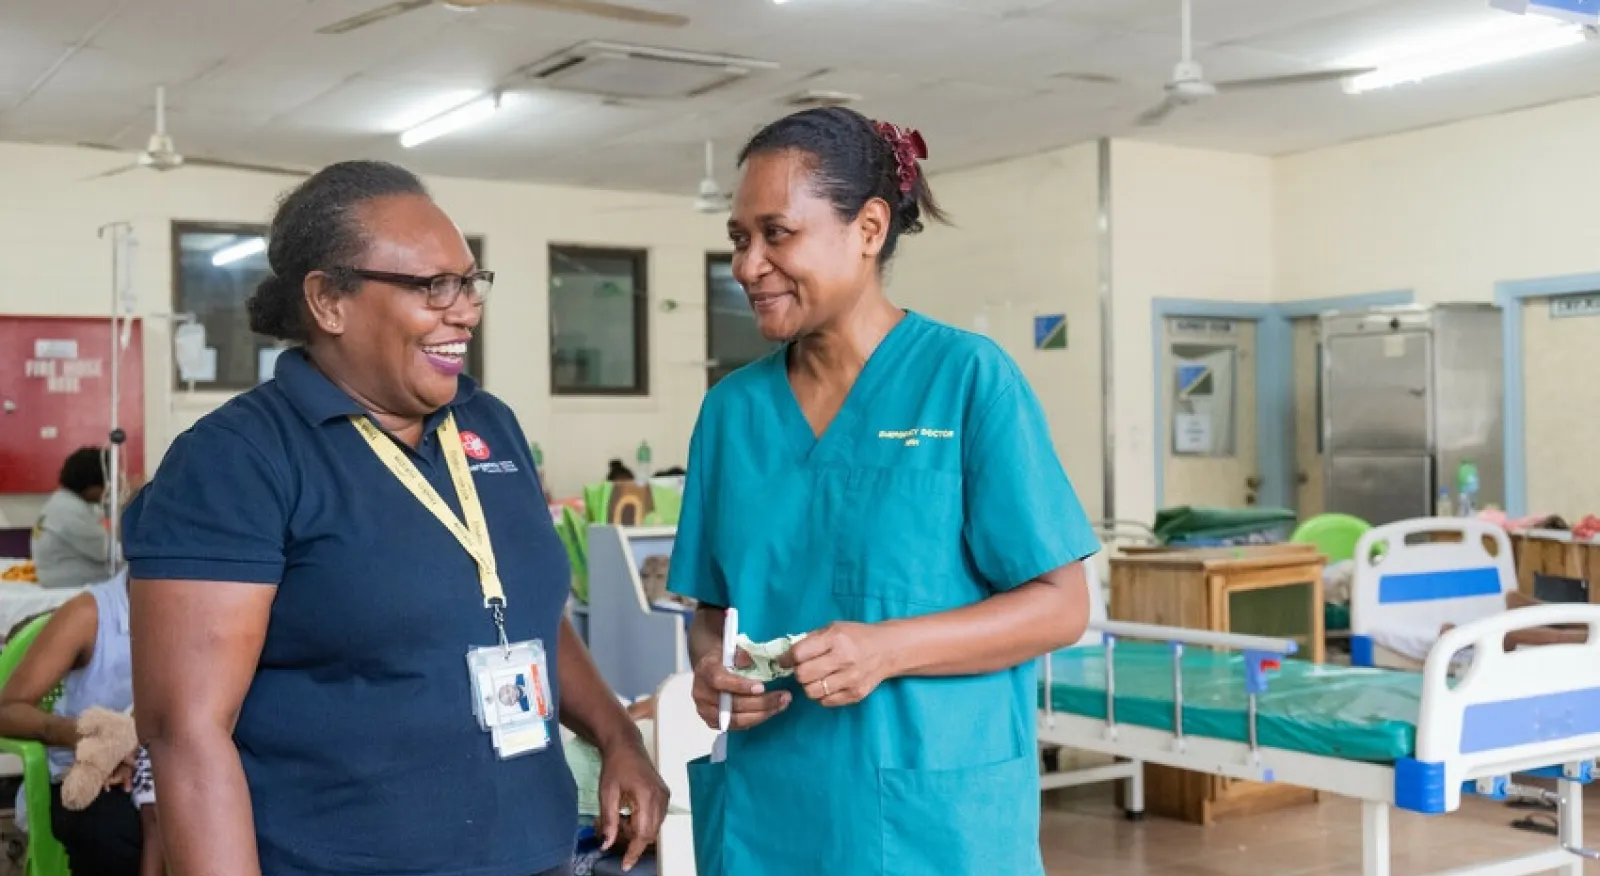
(1262, 654)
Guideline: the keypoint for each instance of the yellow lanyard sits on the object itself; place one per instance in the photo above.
(474, 535)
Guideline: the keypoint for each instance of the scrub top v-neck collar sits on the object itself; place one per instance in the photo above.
(835, 439)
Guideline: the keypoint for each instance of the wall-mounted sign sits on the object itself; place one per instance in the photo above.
(1050, 332)
(1580, 11)
(1188, 325)
(1575, 305)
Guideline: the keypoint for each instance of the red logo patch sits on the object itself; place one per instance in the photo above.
(476, 447)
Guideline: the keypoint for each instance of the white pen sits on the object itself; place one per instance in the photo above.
(730, 637)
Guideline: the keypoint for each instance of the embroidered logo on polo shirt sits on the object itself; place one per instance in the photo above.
(476, 447)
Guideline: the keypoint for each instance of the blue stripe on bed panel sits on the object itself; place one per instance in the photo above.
(1491, 726)
(1428, 586)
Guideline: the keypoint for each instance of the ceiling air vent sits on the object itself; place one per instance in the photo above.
(615, 70)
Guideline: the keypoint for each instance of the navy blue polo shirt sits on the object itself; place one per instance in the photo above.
(357, 734)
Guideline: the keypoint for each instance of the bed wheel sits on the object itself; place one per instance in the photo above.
(1134, 816)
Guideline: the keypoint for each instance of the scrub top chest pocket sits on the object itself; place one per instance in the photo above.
(899, 538)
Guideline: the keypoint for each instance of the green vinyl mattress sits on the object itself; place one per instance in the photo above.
(1351, 713)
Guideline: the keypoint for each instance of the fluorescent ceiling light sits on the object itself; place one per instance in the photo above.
(1503, 39)
(234, 252)
(452, 121)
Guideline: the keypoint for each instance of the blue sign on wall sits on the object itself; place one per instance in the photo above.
(1581, 11)
(1050, 332)
(1588, 8)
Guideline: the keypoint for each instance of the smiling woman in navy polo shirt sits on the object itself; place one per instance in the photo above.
(348, 594)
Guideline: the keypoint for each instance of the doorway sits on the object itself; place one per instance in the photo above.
(1209, 431)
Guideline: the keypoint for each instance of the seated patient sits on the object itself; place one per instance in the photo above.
(71, 546)
(84, 647)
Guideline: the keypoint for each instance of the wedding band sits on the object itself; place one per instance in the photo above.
(825, 688)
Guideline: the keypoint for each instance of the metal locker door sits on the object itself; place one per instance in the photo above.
(1378, 388)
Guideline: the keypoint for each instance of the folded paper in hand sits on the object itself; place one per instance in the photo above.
(764, 657)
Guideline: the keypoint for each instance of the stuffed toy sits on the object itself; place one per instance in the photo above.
(108, 740)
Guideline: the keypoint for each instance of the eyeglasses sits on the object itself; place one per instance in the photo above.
(442, 289)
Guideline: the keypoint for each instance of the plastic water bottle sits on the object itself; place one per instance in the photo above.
(642, 463)
(1467, 488)
(1444, 508)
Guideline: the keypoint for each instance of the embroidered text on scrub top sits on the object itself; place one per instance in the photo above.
(913, 437)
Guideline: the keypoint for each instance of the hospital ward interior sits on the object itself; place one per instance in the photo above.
(1302, 290)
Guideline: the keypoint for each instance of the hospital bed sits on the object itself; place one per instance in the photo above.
(1234, 706)
(1414, 576)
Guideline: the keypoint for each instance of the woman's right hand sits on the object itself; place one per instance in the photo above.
(751, 703)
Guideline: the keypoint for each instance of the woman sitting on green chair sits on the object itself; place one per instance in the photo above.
(84, 648)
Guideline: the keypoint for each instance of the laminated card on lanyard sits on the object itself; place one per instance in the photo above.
(511, 695)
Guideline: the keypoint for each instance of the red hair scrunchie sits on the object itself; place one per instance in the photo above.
(909, 148)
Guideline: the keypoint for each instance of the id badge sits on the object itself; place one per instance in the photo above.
(511, 696)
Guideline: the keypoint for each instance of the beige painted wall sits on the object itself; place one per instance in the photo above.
(1186, 224)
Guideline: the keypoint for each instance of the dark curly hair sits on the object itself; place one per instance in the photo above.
(316, 229)
(84, 470)
(850, 163)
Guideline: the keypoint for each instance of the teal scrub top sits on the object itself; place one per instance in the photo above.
(934, 487)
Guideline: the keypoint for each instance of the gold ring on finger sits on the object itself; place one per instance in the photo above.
(825, 688)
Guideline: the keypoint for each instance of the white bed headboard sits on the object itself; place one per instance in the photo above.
(1507, 712)
(1423, 585)
(681, 736)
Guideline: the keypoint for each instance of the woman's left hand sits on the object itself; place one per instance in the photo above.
(627, 778)
(841, 663)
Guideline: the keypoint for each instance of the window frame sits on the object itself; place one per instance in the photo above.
(180, 227)
(640, 260)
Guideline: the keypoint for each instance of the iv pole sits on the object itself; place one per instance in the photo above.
(121, 235)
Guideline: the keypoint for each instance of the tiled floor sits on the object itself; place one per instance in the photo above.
(1085, 835)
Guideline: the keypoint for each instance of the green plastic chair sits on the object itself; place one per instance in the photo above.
(1335, 535)
(45, 857)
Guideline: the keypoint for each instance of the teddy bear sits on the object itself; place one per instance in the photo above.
(107, 739)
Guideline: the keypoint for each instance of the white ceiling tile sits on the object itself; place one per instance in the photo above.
(58, 21)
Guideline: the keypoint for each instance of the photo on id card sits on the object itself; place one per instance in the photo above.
(510, 686)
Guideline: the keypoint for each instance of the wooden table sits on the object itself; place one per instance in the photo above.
(1552, 553)
(1269, 590)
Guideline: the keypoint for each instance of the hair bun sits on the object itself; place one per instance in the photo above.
(274, 310)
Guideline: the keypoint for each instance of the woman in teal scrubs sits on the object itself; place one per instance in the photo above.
(887, 486)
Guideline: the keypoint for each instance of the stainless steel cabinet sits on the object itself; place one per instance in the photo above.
(1409, 393)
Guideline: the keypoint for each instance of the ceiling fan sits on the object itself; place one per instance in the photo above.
(596, 8)
(1189, 86)
(160, 153)
(712, 199)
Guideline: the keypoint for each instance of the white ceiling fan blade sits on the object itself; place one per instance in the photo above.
(115, 171)
(192, 161)
(602, 9)
(1156, 114)
(382, 13)
(1311, 78)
